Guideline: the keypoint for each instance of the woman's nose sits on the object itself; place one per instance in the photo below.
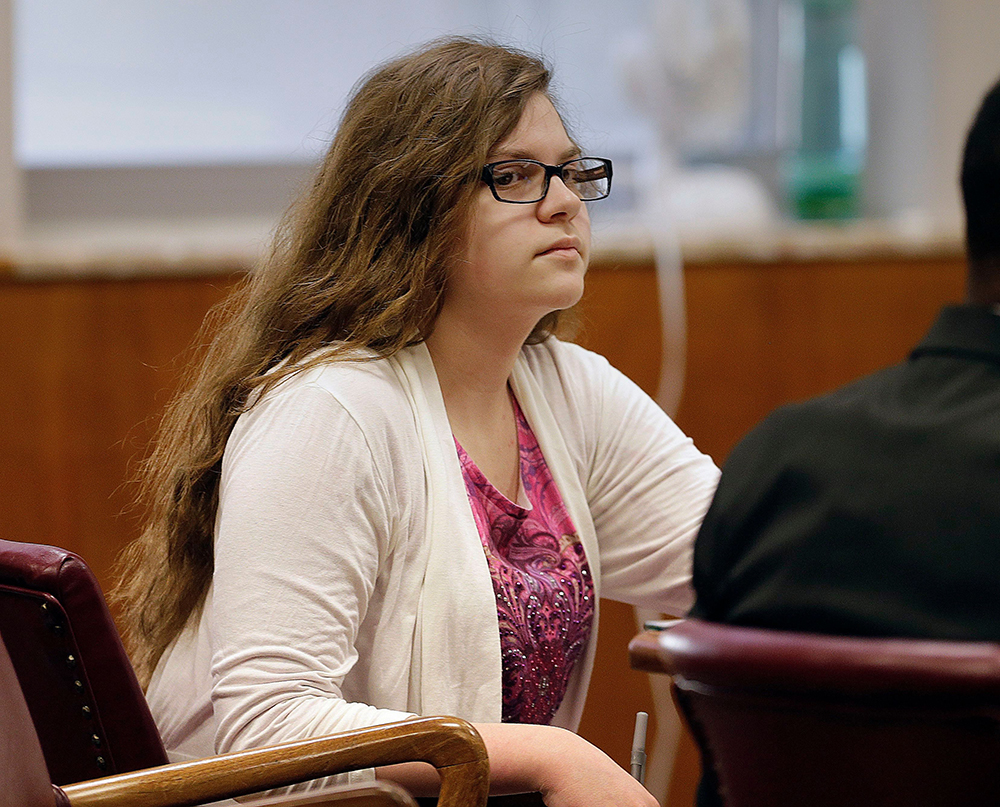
(559, 200)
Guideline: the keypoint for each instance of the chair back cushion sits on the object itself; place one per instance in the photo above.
(88, 709)
(799, 719)
(25, 781)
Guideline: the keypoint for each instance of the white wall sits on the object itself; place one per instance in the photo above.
(930, 62)
(126, 108)
(10, 174)
(966, 55)
(129, 82)
(898, 43)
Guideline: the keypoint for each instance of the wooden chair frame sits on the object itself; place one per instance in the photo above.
(451, 745)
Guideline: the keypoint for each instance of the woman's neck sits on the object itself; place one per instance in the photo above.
(473, 372)
(473, 362)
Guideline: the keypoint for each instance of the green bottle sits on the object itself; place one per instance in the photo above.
(823, 174)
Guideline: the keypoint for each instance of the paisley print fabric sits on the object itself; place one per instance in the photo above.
(541, 579)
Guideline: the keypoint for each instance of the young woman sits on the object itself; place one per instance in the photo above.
(389, 489)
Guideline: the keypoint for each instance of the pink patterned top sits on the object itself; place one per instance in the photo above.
(541, 579)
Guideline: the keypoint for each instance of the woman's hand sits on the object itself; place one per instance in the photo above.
(525, 758)
(566, 769)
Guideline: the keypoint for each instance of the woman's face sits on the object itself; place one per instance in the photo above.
(523, 261)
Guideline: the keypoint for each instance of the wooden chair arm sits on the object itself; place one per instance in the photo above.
(450, 744)
(645, 653)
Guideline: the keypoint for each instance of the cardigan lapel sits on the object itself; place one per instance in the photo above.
(456, 667)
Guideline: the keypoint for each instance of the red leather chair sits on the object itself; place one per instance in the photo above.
(90, 717)
(83, 696)
(802, 719)
(25, 782)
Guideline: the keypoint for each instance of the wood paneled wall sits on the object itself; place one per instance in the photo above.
(87, 365)
(85, 369)
(763, 334)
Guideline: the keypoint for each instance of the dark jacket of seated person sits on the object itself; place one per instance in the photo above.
(873, 510)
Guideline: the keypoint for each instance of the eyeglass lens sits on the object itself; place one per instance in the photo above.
(523, 181)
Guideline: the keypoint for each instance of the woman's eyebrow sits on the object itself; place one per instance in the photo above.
(520, 154)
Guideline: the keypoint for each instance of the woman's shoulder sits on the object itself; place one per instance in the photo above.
(555, 357)
(356, 379)
(564, 369)
(337, 412)
(364, 391)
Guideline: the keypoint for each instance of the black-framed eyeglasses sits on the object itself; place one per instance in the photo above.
(522, 182)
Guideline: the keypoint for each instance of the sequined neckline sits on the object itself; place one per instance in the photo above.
(541, 579)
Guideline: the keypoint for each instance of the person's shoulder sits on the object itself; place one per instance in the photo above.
(364, 386)
(857, 398)
(582, 382)
(840, 401)
(806, 426)
(559, 359)
(349, 374)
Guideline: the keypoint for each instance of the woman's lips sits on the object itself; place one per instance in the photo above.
(567, 247)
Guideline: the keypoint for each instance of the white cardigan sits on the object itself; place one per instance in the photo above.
(351, 587)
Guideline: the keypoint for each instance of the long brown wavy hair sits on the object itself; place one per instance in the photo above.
(361, 260)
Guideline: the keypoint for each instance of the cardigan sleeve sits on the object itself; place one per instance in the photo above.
(306, 520)
(647, 485)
